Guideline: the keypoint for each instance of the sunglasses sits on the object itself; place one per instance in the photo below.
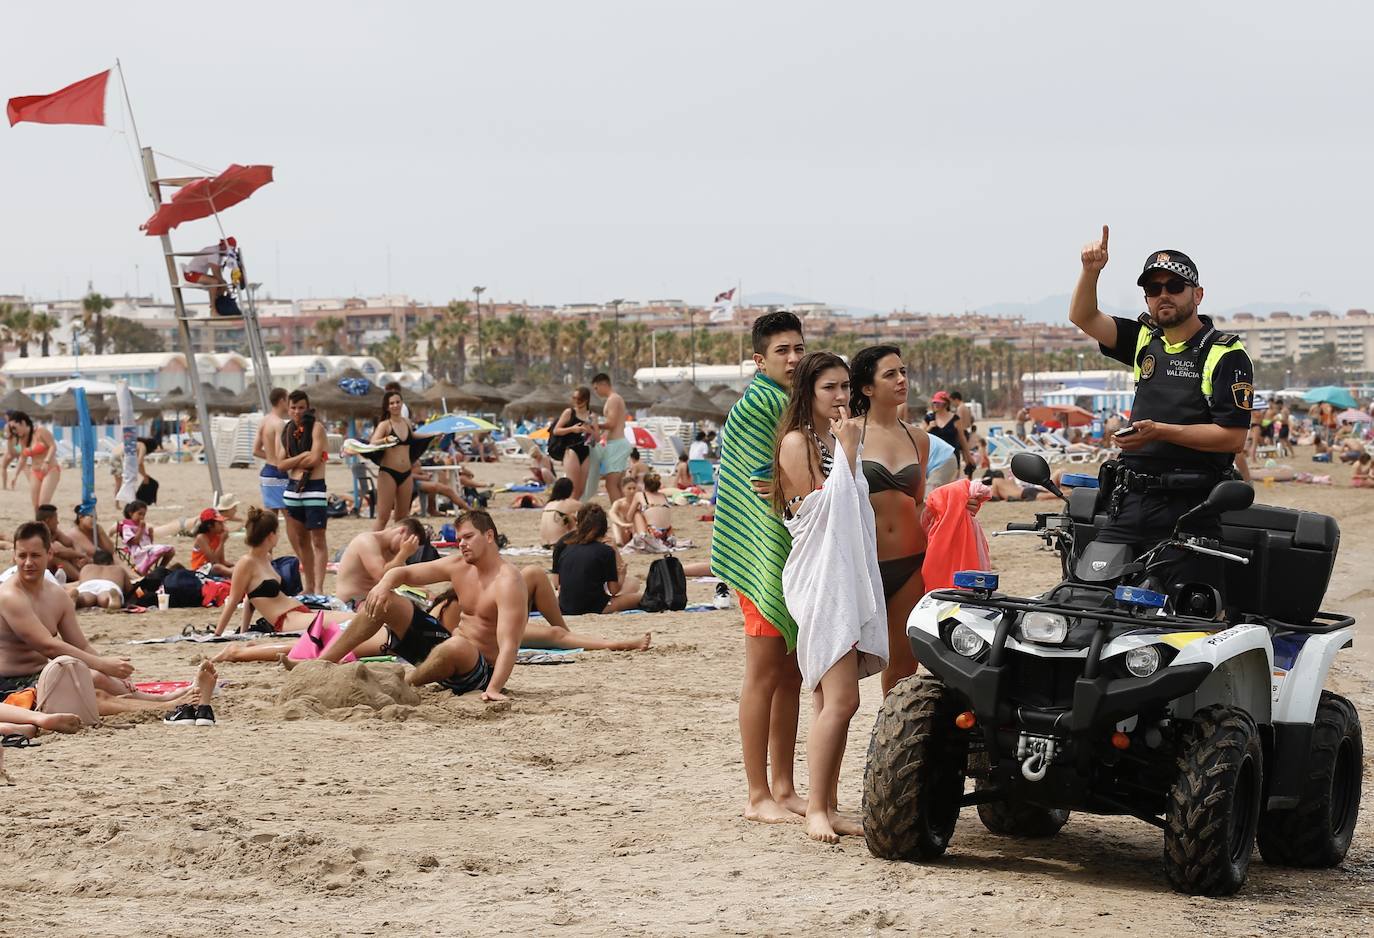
(1174, 285)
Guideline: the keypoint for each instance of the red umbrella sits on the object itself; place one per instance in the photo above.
(1071, 414)
(205, 197)
(643, 438)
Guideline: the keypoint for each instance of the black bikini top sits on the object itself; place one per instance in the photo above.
(882, 479)
(266, 589)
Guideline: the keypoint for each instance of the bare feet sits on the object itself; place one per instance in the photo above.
(819, 827)
(286, 662)
(845, 825)
(634, 644)
(790, 800)
(767, 812)
(58, 722)
(205, 682)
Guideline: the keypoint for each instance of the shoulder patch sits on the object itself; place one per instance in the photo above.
(1226, 338)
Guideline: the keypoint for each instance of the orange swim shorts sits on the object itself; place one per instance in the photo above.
(754, 622)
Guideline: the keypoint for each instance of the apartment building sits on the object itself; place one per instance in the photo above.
(1282, 336)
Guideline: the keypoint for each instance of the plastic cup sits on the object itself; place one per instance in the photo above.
(164, 601)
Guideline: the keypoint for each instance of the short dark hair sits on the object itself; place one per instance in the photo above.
(562, 488)
(771, 324)
(416, 529)
(479, 519)
(634, 453)
(277, 396)
(102, 557)
(700, 437)
(298, 395)
(601, 378)
(955, 394)
(44, 512)
(31, 529)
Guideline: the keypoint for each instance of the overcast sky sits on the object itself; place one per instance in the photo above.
(932, 156)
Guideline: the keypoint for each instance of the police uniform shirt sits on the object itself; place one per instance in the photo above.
(1206, 379)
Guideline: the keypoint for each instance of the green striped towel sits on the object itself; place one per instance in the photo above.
(749, 544)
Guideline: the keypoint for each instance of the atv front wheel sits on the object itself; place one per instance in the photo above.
(1214, 804)
(1013, 818)
(1318, 831)
(914, 780)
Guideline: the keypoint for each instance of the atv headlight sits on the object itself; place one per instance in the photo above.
(1143, 661)
(966, 641)
(1047, 628)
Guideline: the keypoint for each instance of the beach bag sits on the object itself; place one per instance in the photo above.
(423, 554)
(666, 587)
(558, 445)
(183, 588)
(144, 592)
(289, 569)
(336, 507)
(147, 492)
(214, 593)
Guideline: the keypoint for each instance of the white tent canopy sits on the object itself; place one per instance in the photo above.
(66, 384)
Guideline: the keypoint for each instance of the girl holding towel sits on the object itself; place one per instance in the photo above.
(831, 581)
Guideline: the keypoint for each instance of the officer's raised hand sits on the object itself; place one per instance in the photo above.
(1095, 253)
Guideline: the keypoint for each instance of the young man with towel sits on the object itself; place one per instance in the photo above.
(749, 547)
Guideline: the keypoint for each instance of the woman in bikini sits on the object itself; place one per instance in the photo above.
(626, 516)
(256, 581)
(895, 455)
(38, 450)
(944, 423)
(559, 516)
(12, 448)
(395, 487)
(657, 512)
(577, 427)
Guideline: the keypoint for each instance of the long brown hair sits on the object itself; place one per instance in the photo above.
(386, 404)
(591, 525)
(797, 415)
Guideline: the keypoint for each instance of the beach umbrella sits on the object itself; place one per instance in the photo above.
(549, 399)
(448, 393)
(642, 438)
(635, 398)
(516, 390)
(455, 423)
(15, 399)
(689, 403)
(208, 196)
(1354, 416)
(492, 397)
(726, 398)
(1061, 414)
(1331, 394)
(327, 397)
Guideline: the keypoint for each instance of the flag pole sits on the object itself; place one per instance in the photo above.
(739, 334)
(133, 124)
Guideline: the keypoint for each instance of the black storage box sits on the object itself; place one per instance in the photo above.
(1294, 554)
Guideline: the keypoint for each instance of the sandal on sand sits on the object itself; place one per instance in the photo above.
(18, 741)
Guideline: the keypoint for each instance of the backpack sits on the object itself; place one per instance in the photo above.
(147, 492)
(144, 592)
(666, 587)
(558, 445)
(183, 588)
(289, 569)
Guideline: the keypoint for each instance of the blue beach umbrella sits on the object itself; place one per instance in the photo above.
(1330, 394)
(455, 423)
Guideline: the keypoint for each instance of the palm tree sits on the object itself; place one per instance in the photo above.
(636, 332)
(578, 334)
(455, 326)
(327, 331)
(93, 307)
(20, 324)
(43, 327)
(393, 353)
(551, 330)
(518, 326)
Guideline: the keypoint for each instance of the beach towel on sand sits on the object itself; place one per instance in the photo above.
(750, 544)
(955, 540)
(831, 579)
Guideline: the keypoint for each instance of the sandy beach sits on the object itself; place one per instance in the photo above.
(604, 799)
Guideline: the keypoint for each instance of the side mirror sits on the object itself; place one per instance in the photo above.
(1028, 467)
(1231, 495)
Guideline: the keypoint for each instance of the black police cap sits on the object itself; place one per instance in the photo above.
(1175, 262)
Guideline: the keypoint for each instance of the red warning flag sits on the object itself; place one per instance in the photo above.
(81, 103)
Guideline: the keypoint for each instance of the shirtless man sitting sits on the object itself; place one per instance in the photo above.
(495, 609)
(38, 626)
(369, 556)
(104, 583)
(67, 556)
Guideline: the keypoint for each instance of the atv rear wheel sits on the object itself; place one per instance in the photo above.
(914, 779)
(1013, 818)
(1214, 804)
(1318, 831)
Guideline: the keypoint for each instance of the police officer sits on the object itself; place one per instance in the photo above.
(1194, 391)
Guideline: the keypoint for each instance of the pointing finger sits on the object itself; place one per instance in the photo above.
(1105, 232)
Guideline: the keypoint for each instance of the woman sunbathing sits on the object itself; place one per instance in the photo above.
(560, 513)
(627, 515)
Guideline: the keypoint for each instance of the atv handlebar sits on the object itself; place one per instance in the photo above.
(1013, 526)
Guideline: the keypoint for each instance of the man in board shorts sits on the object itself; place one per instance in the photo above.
(749, 546)
(272, 480)
(306, 497)
(609, 458)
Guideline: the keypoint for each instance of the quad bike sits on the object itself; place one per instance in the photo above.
(1128, 690)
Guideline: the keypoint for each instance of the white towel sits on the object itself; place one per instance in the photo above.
(831, 581)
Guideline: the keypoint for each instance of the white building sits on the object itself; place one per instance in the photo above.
(293, 371)
(706, 376)
(1283, 337)
(149, 374)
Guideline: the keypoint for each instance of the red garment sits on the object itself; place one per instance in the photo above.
(955, 540)
(214, 593)
(79, 103)
(205, 197)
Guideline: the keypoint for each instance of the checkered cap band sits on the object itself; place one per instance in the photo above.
(1183, 270)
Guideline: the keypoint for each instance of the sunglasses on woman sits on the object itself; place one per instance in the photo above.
(1174, 285)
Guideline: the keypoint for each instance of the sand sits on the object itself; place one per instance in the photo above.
(603, 799)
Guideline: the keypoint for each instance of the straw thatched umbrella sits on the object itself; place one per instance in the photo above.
(488, 395)
(726, 398)
(217, 400)
(16, 399)
(450, 393)
(516, 390)
(636, 399)
(326, 397)
(549, 399)
(689, 403)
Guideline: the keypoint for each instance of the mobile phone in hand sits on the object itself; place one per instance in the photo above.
(1126, 431)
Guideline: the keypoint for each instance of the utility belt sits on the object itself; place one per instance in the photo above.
(1121, 481)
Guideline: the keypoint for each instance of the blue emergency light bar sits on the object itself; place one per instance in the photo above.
(1143, 598)
(976, 580)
